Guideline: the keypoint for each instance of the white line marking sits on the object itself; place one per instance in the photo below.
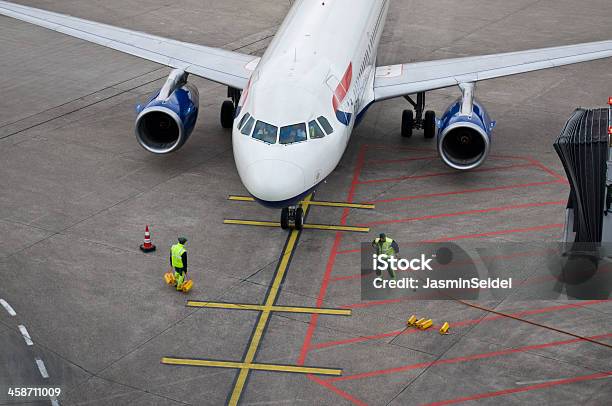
(54, 401)
(8, 307)
(25, 334)
(552, 380)
(538, 382)
(42, 368)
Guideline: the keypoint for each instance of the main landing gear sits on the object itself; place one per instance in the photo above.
(412, 120)
(228, 108)
(292, 218)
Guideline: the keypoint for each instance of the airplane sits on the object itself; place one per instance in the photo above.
(293, 110)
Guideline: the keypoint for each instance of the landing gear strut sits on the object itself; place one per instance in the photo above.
(229, 107)
(412, 120)
(292, 218)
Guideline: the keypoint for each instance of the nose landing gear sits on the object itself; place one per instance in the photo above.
(292, 218)
(229, 107)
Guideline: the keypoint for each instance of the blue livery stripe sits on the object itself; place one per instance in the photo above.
(344, 118)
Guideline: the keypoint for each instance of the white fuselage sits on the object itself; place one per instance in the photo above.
(321, 63)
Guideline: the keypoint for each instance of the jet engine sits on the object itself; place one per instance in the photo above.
(165, 123)
(464, 132)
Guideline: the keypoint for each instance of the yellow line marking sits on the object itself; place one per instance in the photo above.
(311, 310)
(265, 314)
(342, 204)
(252, 223)
(325, 227)
(283, 309)
(244, 366)
(202, 363)
(241, 198)
(313, 203)
(232, 306)
(297, 369)
(266, 309)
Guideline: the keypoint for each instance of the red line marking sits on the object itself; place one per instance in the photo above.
(550, 171)
(393, 161)
(372, 303)
(334, 252)
(466, 212)
(361, 339)
(484, 258)
(537, 163)
(522, 389)
(465, 358)
(332, 259)
(533, 161)
(312, 325)
(433, 296)
(336, 390)
(458, 324)
(400, 160)
(455, 172)
(468, 236)
(398, 147)
(501, 232)
(348, 252)
(459, 192)
(347, 277)
(314, 318)
(528, 159)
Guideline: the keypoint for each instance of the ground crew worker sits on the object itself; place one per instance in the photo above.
(178, 261)
(385, 246)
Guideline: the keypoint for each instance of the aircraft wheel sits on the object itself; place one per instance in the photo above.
(299, 218)
(285, 218)
(407, 123)
(227, 114)
(430, 124)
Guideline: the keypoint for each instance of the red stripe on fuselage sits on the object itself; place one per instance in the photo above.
(245, 94)
(343, 87)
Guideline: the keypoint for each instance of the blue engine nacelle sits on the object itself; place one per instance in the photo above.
(165, 123)
(464, 137)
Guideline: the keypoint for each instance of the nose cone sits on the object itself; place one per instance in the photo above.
(274, 181)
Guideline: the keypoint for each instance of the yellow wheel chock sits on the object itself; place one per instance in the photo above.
(425, 324)
(187, 286)
(169, 278)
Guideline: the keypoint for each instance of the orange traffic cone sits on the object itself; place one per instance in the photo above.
(147, 246)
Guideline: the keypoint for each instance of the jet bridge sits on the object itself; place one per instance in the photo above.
(584, 149)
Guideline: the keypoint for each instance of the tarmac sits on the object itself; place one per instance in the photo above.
(77, 192)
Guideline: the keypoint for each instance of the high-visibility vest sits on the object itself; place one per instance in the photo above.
(385, 248)
(177, 252)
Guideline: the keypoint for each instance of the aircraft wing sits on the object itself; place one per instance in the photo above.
(226, 67)
(400, 80)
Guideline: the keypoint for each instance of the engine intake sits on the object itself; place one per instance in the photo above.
(464, 137)
(165, 123)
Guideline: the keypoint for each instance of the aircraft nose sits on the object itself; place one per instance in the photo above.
(274, 180)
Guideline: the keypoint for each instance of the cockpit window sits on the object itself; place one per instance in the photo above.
(293, 133)
(265, 132)
(248, 127)
(243, 120)
(325, 124)
(314, 130)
